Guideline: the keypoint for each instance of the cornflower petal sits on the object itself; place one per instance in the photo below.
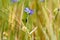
(31, 11)
(27, 10)
(14, 0)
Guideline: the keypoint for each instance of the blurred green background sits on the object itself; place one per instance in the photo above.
(43, 24)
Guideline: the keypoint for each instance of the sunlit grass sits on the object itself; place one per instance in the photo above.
(42, 24)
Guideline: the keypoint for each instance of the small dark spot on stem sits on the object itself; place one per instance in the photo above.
(26, 20)
(58, 9)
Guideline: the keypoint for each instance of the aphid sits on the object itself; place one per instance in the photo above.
(29, 11)
(26, 20)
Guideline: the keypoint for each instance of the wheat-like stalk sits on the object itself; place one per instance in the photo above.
(29, 19)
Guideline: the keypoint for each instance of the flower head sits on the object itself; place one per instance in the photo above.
(14, 0)
(29, 11)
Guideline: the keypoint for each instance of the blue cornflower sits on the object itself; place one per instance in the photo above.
(14, 0)
(29, 11)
